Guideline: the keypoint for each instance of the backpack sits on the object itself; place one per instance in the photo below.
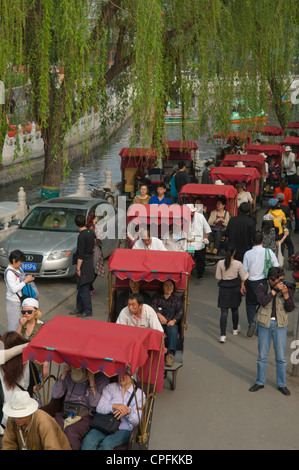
(29, 291)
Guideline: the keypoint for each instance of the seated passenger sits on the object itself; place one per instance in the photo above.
(169, 307)
(134, 288)
(137, 313)
(274, 171)
(114, 399)
(146, 242)
(243, 195)
(176, 240)
(218, 221)
(82, 391)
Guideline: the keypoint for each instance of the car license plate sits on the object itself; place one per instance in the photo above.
(29, 266)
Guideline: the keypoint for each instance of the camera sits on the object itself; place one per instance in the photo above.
(289, 285)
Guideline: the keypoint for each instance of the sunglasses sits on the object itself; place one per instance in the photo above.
(23, 312)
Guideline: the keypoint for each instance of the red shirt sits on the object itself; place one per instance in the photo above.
(287, 195)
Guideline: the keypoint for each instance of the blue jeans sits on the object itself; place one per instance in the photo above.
(83, 302)
(171, 337)
(97, 438)
(279, 337)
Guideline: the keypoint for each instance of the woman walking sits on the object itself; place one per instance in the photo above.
(231, 276)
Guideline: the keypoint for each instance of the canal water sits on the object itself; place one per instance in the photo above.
(94, 166)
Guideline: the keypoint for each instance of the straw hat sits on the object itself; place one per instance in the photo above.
(79, 375)
(240, 165)
(288, 148)
(219, 182)
(20, 405)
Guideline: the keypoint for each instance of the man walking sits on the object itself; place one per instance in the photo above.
(254, 265)
(272, 325)
(240, 231)
(85, 269)
(199, 232)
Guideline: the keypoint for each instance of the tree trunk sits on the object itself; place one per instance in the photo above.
(53, 169)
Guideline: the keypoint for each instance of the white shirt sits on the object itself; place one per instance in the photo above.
(287, 160)
(148, 319)
(244, 196)
(198, 229)
(112, 394)
(13, 284)
(156, 244)
(253, 262)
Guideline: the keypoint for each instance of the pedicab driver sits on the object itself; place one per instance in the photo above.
(137, 313)
(29, 428)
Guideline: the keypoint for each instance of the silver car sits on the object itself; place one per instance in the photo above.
(48, 235)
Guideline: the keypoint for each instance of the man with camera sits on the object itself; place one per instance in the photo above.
(272, 320)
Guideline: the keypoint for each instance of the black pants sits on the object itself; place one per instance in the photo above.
(223, 319)
(200, 259)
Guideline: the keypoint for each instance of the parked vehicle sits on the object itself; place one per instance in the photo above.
(48, 235)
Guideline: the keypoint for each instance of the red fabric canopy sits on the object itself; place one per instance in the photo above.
(132, 158)
(256, 161)
(191, 189)
(293, 125)
(155, 213)
(290, 140)
(179, 149)
(233, 174)
(237, 135)
(180, 145)
(268, 130)
(267, 149)
(149, 265)
(97, 346)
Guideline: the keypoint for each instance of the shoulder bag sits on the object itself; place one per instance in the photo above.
(107, 423)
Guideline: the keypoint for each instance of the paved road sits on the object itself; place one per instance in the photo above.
(211, 407)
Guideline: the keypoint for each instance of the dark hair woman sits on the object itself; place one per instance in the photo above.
(231, 275)
(14, 374)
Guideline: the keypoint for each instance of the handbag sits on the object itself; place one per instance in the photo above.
(268, 262)
(107, 423)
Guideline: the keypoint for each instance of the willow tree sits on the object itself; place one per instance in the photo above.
(210, 51)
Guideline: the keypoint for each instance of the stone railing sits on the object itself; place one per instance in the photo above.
(31, 145)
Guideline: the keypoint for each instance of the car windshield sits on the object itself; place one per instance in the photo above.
(52, 219)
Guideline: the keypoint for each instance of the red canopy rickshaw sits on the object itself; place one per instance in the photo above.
(158, 217)
(176, 150)
(252, 161)
(131, 160)
(270, 150)
(235, 175)
(104, 347)
(151, 268)
(209, 193)
(293, 125)
(232, 137)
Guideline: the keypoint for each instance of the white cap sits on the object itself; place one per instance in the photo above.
(30, 303)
